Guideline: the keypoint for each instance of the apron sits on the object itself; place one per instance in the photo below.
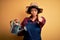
(33, 31)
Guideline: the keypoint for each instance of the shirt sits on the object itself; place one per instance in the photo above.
(24, 22)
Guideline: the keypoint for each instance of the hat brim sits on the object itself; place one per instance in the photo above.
(40, 9)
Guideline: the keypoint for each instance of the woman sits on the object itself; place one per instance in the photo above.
(33, 24)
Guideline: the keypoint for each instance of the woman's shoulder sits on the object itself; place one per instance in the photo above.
(26, 18)
(43, 18)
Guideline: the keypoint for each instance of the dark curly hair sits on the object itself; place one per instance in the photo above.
(29, 9)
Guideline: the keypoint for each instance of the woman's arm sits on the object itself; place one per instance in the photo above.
(24, 22)
(42, 21)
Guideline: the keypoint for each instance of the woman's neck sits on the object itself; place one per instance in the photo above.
(33, 18)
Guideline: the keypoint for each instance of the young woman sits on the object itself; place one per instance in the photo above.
(33, 24)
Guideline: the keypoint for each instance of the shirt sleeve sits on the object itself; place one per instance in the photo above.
(43, 22)
(24, 22)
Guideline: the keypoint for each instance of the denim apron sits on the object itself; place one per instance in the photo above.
(33, 31)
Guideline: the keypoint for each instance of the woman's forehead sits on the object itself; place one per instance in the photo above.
(33, 9)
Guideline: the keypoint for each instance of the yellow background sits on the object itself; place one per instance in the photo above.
(11, 9)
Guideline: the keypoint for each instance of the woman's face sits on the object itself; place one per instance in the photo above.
(34, 11)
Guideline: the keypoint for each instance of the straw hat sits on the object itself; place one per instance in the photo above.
(34, 5)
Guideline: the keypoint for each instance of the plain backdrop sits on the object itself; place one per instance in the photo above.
(11, 9)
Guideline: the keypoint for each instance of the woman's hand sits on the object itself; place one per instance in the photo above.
(40, 19)
(16, 20)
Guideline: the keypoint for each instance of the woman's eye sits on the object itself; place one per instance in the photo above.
(35, 10)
